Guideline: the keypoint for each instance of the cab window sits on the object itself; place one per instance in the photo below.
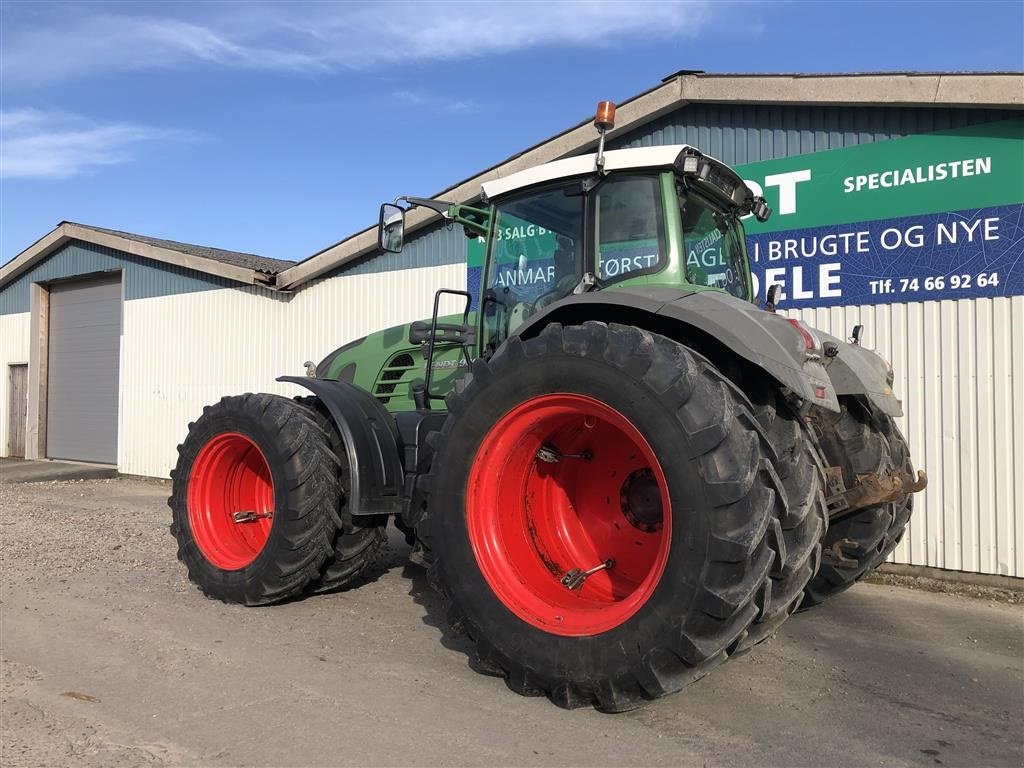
(536, 257)
(629, 225)
(714, 247)
(536, 243)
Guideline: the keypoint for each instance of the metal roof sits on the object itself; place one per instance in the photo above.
(234, 265)
(262, 264)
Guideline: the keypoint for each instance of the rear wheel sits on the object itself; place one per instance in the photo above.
(900, 451)
(796, 538)
(859, 441)
(253, 499)
(599, 515)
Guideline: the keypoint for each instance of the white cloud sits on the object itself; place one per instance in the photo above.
(325, 37)
(434, 103)
(55, 145)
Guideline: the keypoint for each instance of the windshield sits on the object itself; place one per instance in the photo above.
(714, 243)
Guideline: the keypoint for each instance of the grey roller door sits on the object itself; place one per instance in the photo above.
(82, 388)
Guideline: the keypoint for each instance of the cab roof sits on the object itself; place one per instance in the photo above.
(581, 165)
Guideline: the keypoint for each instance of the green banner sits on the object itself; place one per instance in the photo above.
(966, 168)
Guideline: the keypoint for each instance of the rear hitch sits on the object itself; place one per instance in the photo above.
(836, 554)
(871, 488)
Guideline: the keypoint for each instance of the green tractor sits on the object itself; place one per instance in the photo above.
(618, 468)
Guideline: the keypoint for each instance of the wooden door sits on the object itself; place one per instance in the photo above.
(17, 410)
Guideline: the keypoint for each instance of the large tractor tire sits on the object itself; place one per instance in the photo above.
(355, 543)
(254, 499)
(611, 451)
(799, 534)
(859, 441)
(900, 452)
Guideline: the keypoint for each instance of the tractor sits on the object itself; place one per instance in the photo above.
(618, 466)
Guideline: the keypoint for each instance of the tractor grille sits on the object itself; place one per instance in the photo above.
(400, 369)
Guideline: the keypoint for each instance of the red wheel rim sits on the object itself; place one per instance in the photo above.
(532, 521)
(230, 479)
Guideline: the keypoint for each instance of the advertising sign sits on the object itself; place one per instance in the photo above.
(937, 216)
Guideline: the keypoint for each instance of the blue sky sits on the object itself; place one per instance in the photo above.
(278, 128)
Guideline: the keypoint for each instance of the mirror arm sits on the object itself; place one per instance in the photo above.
(440, 206)
(474, 220)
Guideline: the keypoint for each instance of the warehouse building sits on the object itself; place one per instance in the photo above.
(898, 202)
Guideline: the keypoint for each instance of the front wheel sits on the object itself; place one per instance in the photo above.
(600, 511)
(253, 500)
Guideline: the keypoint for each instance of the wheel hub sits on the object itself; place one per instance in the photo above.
(567, 512)
(640, 500)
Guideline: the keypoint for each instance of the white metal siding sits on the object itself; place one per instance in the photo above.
(960, 372)
(186, 351)
(14, 344)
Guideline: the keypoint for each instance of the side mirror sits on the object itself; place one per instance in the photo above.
(773, 297)
(762, 212)
(391, 228)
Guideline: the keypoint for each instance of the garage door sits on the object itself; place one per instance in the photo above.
(82, 390)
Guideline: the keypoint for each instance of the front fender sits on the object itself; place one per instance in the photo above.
(371, 444)
(764, 338)
(859, 371)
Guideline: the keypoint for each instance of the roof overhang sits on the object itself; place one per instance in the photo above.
(68, 231)
(944, 89)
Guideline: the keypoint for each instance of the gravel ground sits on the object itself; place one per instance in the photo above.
(111, 658)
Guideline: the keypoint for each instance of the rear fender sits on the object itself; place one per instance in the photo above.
(371, 443)
(762, 338)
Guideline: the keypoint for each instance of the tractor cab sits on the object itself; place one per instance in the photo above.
(655, 216)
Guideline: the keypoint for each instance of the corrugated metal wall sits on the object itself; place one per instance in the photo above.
(432, 246)
(14, 346)
(748, 133)
(959, 369)
(185, 351)
(142, 277)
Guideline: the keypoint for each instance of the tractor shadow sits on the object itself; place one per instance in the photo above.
(394, 556)
(435, 613)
